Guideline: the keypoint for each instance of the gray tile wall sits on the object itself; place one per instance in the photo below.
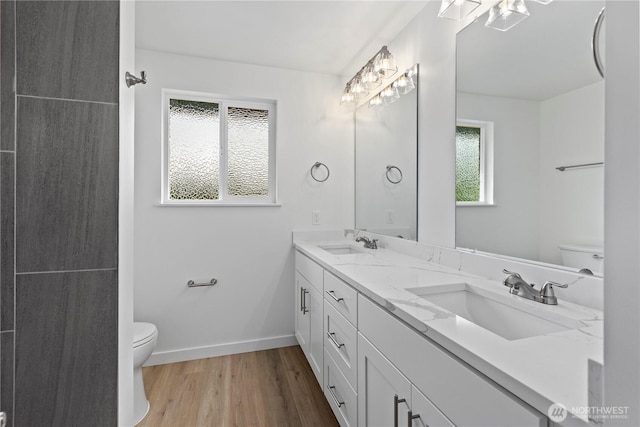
(58, 212)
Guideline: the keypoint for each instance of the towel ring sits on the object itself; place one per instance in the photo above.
(317, 165)
(389, 167)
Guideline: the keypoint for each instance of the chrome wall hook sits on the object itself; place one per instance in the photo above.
(132, 80)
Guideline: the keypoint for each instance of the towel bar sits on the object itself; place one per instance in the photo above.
(193, 284)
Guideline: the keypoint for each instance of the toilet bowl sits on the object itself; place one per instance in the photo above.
(145, 336)
(583, 257)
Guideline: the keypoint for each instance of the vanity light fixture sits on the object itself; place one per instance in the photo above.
(457, 9)
(389, 94)
(381, 66)
(348, 97)
(543, 1)
(405, 84)
(506, 13)
(384, 63)
(401, 86)
(376, 101)
(370, 77)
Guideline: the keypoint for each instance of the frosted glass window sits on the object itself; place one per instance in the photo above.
(468, 163)
(194, 150)
(217, 150)
(248, 152)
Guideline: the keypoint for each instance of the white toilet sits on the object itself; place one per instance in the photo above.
(579, 257)
(145, 337)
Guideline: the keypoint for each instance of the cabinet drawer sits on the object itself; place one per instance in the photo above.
(340, 341)
(464, 395)
(310, 270)
(341, 397)
(341, 296)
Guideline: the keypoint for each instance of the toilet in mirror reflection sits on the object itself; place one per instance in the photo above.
(583, 257)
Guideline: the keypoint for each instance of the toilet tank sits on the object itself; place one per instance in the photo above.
(579, 257)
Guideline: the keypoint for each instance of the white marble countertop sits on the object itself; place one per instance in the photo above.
(540, 370)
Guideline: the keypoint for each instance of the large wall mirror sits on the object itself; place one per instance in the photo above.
(386, 168)
(529, 101)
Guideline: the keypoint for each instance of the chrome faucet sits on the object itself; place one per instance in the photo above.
(369, 244)
(518, 286)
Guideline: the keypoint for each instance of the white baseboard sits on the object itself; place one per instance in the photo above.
(194, 353)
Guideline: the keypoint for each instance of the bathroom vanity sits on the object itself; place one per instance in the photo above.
(399, 339)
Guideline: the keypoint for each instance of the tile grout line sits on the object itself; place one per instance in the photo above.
(66, 271)
(115, 104)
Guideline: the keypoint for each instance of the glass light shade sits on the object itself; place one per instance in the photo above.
(376, 101)
(358, 88)
(404, 84)
(347, 97)
(385, 64)
(370, 77)
(506, 13)
(389, 94)
(543, 1)
(457, 9)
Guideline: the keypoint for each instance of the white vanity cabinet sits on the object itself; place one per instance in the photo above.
(387, 398)
(376, 370)
(309, 312)
(457, 391)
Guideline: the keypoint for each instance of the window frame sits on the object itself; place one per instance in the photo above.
(224, 102)
(486, 161)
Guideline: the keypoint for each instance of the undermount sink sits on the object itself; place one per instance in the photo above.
(344, 249)
(502, 315)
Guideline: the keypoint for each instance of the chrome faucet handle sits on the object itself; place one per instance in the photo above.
(511, 273)
(547, 294)
(547, 287)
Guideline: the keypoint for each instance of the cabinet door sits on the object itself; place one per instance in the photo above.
(424, 413)
(302, 322)
(316, 337)
(384, 393)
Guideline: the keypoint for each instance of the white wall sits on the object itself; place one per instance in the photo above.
(510, 227)
(571, 202)
(622, 211)
(126, 200)
(248, 249)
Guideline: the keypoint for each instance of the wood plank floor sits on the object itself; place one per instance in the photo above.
(271, 388)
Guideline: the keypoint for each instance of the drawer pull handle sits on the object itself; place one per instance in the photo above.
(333, 395)
(395, 409)
(305, 310)
(411, 417)
(332, 294)
(331, 335)
(301, 289)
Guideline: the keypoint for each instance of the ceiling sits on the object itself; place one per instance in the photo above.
(547, 54)
(333, 37)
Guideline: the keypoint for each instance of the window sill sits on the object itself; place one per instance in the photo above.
(475, 204)
(218, 205)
